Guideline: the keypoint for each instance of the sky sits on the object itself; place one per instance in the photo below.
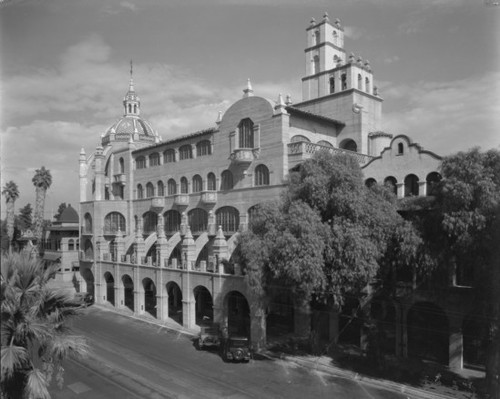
(64, 69)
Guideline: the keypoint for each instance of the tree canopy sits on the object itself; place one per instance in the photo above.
(328, 235)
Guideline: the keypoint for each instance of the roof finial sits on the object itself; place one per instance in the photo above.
(248, 91)
(131, 88)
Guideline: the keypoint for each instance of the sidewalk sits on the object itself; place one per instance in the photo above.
(318, 363)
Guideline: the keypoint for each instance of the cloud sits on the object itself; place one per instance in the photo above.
(353, 32)
(447, 117)
(391, 59)
(128, 5)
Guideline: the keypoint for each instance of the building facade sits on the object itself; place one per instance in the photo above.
(160, 220)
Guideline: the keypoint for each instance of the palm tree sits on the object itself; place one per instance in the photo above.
(42, 181)
(34, 336)
(11, 193)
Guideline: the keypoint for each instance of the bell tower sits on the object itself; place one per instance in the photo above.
(339, 86)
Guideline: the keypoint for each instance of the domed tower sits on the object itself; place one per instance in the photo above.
(131, 126)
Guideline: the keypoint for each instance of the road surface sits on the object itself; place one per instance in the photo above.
(134, 359)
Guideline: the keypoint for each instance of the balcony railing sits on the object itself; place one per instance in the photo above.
(157, 204)
(243, 155)
(181, 199)
(120, 178)
(209, 197)
(303, 150)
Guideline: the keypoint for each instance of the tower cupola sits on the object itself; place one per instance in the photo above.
(131, 101)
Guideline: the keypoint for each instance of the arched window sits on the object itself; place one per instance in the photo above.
(316, 37)
(391, 183)
(226, 180)
(261, 175)
(122, 165)
(113, 222)
(245, 136)
(161, 189)
(150, 190)
(335, 37)
(88, 250)
(411, 186)
(349, 145)
(140, 162)
(211, 183)
(332, 84)
(197, 184)
(401, 149)
(154, 159)
(87, 223)
(140, 191)
(172, 221)
(325, 143)
(203, 148)
(315, 64)
(360, 82)
(149, 222)
(297, 138)
(367, 85)
(71, 245)
(171, 187)
(198, 220)
(433, 180)
(184, 186)
(370, 182)
(343, 81)
(229, 218)
(169, 155)
(185, 152)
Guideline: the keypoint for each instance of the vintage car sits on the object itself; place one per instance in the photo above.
(210, 335)
(236, 348)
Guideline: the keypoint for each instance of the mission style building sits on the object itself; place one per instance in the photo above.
(160, 220)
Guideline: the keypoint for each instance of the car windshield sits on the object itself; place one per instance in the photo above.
(239, 342)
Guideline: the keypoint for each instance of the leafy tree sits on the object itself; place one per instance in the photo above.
(328, 236)
(11, 193)
(35, 338)
(469, 215)
(62, 207)
(42, 181)
(25, 217)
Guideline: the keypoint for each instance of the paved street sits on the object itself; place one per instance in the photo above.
(136, 358)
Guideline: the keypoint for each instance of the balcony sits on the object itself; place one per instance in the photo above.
(181, 199)
(157, 204)
(302, 150)
(244, 156)
(209, 197)
(120, 178)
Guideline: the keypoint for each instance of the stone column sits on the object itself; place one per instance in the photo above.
(400, 187)
(220, 250)
(161, 244)
(422, 188)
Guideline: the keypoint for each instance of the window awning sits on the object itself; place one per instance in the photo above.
(51, 256)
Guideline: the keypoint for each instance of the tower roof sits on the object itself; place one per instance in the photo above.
(69, 215)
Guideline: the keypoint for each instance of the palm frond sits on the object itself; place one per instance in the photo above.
(12, 358)
(36, 385)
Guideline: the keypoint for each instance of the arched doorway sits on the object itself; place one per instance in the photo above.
(411, 186)
(128, 291)
(349, 145)
(475, 340)
(428, 333)
(204, 305)
(110, 288)
(238, 314)
(174, 302)
(88, 276)
(149, 296)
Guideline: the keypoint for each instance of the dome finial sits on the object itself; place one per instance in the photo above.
(131, 86)
(248, 92)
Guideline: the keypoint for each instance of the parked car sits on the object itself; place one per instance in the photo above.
(83, 299)
(209, 335)
(236, 348)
